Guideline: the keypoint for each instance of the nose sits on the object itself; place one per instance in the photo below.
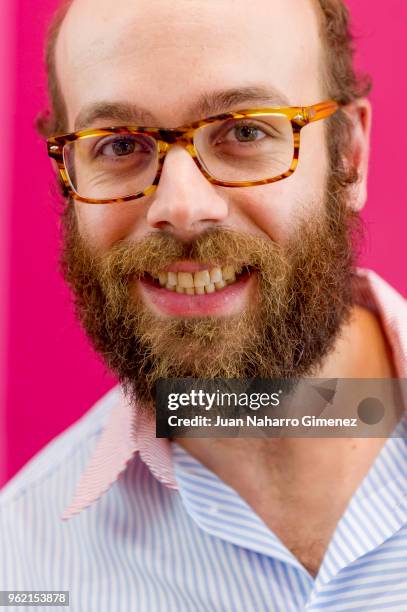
(185, 203)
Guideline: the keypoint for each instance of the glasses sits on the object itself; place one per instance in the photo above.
(235, 149)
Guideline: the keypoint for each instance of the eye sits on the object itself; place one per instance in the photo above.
(245, 133)
(121, 146)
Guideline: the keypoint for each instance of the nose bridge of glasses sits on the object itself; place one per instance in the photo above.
(169, 138)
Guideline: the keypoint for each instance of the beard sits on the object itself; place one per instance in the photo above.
(302, 298)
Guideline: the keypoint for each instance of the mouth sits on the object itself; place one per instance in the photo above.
(200, 282)
(193, 290)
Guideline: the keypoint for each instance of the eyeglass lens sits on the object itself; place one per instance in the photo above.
(232, 150)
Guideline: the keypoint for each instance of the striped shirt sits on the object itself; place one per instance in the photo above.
(129, 522)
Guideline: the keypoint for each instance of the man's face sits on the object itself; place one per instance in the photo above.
(289, 238)
(164, 57)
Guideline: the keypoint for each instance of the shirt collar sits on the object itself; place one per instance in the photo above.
(129, 430)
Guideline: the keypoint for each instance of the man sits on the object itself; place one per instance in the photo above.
(201, 252)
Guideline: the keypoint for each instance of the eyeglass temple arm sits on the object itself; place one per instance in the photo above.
(321, 111)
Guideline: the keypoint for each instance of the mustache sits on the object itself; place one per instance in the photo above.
(215, 246)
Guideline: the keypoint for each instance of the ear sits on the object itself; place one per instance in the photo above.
(360, 114)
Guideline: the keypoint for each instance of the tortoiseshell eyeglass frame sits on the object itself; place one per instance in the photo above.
(299, 116)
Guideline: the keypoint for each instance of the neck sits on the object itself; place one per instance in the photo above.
(278, 476)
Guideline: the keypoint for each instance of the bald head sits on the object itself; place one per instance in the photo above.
(103, 33)
(163, 57)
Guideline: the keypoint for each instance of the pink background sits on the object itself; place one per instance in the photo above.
(49, 375)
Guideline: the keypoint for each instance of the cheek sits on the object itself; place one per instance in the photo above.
(102, 225)
(277, 208)
(313, 164)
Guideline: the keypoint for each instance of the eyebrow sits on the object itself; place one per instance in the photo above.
(210, 103)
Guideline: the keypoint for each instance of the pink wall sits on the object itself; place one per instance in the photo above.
(51, 376)
(7, 18)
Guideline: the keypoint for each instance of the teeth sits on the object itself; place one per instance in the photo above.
(163, 278)
(185, 280)
(228, 273)
(172, 278)
(215, 275)
(199, 283)
(202, 278)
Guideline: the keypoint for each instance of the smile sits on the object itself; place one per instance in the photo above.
(195, 290)
(200, 282)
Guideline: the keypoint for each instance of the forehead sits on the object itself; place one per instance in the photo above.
(163, 56)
